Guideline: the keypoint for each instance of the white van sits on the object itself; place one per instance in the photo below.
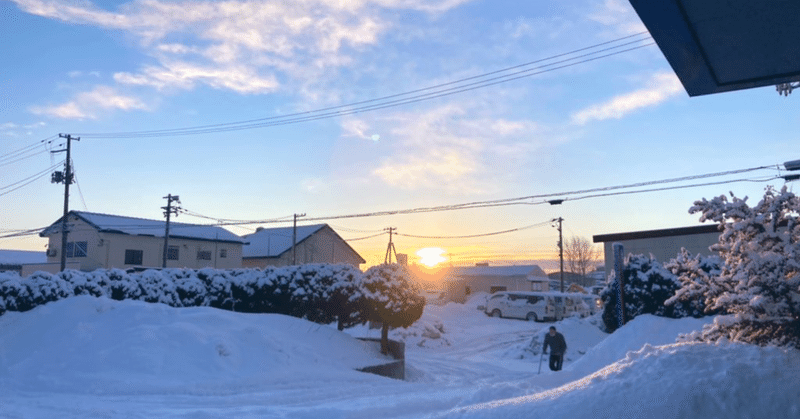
(531, 306)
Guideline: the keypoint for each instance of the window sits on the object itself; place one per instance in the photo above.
(223, 253)
(133, 257)
(77, 249)
(203, 255)
(172, 252)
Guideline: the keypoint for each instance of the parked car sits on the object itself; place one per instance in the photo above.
(532, 306)
(594, 302)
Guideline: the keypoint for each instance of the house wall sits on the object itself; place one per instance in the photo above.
(458, 289)
(324, 246)
(662, 248)
(107, 250)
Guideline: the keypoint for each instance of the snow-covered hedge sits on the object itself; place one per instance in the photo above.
(318, 292)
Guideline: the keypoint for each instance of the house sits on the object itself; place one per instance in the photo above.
(113, 241)
(316, 243)
(664, 244)
(460, 282)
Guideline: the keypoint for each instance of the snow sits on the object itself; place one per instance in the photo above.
(21, 257)
(273, 242)
(145, 227)
(95, 357)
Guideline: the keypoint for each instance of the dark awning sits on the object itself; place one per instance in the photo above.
(717, 46)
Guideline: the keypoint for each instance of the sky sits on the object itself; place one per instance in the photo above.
(97, 69)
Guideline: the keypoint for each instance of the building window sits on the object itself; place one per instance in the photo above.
(172, 252)
(223, 253)
(133, 257)
(77, 249)
(203, 255)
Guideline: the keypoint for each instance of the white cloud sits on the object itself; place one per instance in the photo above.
(185, 75)
(238, 45)
(618, 15)
(87, 105)
(447, 148)
(661, 87)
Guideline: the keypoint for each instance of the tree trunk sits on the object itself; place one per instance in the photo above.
(385, 338)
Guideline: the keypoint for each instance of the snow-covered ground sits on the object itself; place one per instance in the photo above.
(87, 357)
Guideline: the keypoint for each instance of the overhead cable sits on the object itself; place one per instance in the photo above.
(412, 96)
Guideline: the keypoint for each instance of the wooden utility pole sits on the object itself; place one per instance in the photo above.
(561, 252)
(168, 210)
(390, 248)
(67, 178)
(294, 238)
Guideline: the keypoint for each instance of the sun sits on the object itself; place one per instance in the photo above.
(431, 256)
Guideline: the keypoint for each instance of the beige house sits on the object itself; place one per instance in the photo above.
(315, 244)
(111, 241)
(664, 244)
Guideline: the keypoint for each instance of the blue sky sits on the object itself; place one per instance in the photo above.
(84, 67)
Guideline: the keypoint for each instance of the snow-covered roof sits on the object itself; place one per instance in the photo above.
(21, 257)
(143, 227)
(518, 270)
(273, 242)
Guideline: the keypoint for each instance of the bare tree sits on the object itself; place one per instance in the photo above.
(580, 255)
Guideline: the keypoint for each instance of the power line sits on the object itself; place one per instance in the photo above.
(28, 180)
(476, 235)
(526, 200)
(352, 108)
(12, 154)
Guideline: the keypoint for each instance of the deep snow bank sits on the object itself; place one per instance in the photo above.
(103, 346)
(690, 381)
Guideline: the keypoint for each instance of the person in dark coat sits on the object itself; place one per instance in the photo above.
(557, 348)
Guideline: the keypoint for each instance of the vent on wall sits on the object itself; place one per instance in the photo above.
(52, 252)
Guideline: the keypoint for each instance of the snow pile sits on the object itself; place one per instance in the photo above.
(96, 357)
(696, 380)
(102, 346)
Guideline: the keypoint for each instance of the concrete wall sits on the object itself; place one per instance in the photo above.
(324, 246)
(107, 250)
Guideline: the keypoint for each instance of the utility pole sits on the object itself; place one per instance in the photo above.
(66, 178)
(390, 248)
(168, 210)
(294, 238)
(560, 251)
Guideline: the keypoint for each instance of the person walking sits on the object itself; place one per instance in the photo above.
(558, 346)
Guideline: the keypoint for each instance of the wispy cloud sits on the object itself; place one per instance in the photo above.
(617, 15)
(239, 45)
(88, 105)
(450, 148)
(661, 87)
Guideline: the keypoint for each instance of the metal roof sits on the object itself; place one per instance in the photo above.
(717, 46)
(650, 234)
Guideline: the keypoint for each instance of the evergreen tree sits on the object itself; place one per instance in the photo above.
(647, 285)
(392, 298)
(759, 283)
(695, 274)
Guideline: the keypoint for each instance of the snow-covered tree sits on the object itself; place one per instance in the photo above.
(759, 283)
(647, 285)
(695, 274)
(393, 298)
